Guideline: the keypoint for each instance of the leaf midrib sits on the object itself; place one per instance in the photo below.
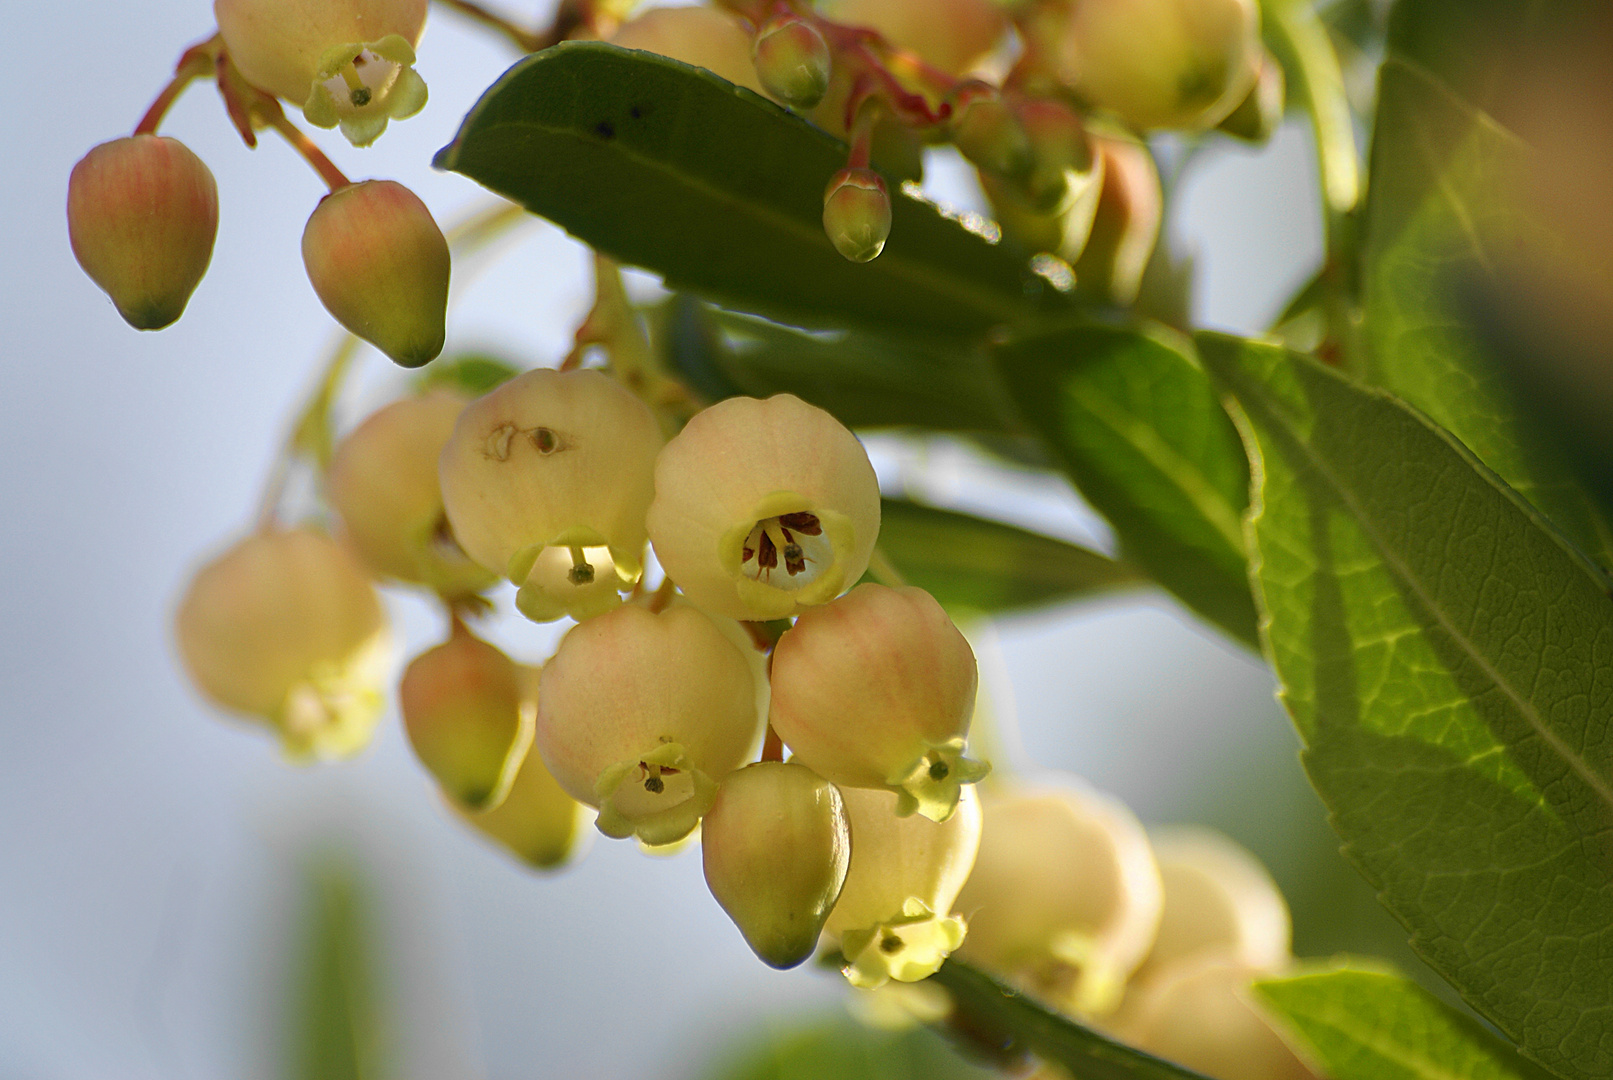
(1393, 1051)
(892, 261)
(1397, 567)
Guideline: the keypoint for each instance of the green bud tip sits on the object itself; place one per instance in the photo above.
(857, 213)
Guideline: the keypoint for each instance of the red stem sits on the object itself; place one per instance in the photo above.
(334, 178)
(193, 64)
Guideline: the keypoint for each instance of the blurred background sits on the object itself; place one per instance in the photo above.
(174, 900)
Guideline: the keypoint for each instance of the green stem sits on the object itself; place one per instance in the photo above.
(1301, 34)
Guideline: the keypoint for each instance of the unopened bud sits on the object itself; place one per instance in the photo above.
(1262, 108)
(467, 718)
(537, 822)
(383, 484)
(857, 213)
(792, 60)
(775, 847)
(1125, 225)
(142, 213)
(286, 627)
(893, 919)
(1061, 155)
(1162, 63)
(380, 266)
(987, 131)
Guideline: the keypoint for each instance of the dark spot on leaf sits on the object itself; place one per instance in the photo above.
(637, 112)
(605, 129)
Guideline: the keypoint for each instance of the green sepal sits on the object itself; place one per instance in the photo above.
(909, 947)
(931, 785)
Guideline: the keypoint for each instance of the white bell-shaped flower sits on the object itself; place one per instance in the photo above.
(643, 714)
(1065, 897)
(546, 481)
(347, 62)
(876, 690)
(764, 508)
(894, 919)
(285, 627)
(382, 483)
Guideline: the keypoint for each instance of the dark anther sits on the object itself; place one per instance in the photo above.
(939, 771)
(654, 785)
(545, 440)
(361, 96)
(747, 555)
(581, 574)
(890, 943)
(767, 556)
(605, 129)
(804, 523)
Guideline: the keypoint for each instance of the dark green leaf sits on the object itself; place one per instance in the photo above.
(991, 1010)
(471, 373)
(970, 562)
(1449, 665)
(867, 381)
(668, 167)
(1482, 48)
(1372, 1024)
(1140, 431)
(1440, 221)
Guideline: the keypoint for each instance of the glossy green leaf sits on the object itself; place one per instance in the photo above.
(1449, 665)
(1141, 433)
(999, 1014)
(1440, 220)
(668, 167)
(1372, 1024)
(866, 380)
(970, 562)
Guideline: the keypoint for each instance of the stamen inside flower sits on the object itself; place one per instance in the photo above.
(797, 538)
(357, 92)
(362, 78)
(582, 571)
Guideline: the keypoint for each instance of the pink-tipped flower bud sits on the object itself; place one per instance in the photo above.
(537, 822)
(642, 715)
(383, 484)
(1201, 1014)
(142, 213)
(1162, 63)
(857, 213)
(546, 480)
(380, 266)
(953, 35)
(467, 717)
(1125, 223)
(792, 61)
(347, 62)
(1262, 108)
(285, 627)
(702, 36)
(764, 508)
(1219, 901)
(1064, 898)
(893, 919)
(775, 847)
(876, 690)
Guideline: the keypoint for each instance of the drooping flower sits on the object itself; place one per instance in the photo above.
(344, 62)
(876, 690)
(764, 508)
(546, 481)
(285, 627)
